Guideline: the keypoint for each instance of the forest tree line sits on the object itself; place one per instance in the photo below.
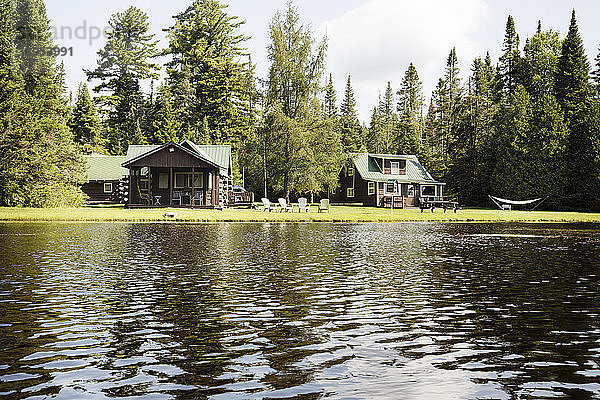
(525, 126)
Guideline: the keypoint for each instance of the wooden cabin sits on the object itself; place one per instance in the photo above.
(103, 176)
(178, 175)
(383, 180)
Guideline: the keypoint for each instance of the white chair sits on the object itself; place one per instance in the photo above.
(284, 205)
(303, 205)
(177, 198)
(267, 205)
(324, 205)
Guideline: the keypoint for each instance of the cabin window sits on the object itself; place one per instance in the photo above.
(163, 180)
(395, 168)
(428, 191)
(108, 188)
(350, 192)
(181, 180)
(199, 180)
(411, 191)
(371, 188)
(390, 187)
(143, 184)
(350, 171)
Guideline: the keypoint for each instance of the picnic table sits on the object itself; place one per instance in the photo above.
(437, 202)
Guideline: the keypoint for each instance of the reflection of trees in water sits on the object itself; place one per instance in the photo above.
(291, 308)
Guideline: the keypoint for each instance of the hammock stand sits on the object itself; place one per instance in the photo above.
(505, 204)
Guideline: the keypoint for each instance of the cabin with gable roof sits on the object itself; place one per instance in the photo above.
(386, 180)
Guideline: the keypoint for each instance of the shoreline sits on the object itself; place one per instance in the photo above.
(338, 214)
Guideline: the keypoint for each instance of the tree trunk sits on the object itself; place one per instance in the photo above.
(286, 176)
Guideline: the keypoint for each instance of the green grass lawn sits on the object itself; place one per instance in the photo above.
(337, 214)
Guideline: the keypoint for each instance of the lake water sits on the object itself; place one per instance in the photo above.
(299, 311)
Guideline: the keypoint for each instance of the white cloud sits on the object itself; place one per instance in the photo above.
(376, 42)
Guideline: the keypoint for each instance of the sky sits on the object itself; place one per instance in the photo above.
(373, 41)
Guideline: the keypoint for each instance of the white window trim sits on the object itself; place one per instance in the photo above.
(393, 191)
(350, 171)
(372, 188)
(350, 192)
(109, 184)
(397, 167)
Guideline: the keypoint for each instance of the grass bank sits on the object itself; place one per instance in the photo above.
(337, 214)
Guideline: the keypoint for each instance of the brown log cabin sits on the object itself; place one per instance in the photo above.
(383, 180)
(179, 175)
(103, 175)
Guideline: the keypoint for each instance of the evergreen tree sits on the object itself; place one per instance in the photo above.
(210, 80)
(352, 133)
(384, 126)
(6, 34)
(123, 63)
(510, 59)
(85, 123)
(330, 99)
(573, 93)
(40, 166)
(166, 125)
(410, 109)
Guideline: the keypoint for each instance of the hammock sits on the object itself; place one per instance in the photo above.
(499, 201)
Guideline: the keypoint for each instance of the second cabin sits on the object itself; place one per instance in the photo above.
(383, 180)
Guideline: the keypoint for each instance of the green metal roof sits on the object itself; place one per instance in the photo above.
(218, 154)
(104, 168)
(368, 168)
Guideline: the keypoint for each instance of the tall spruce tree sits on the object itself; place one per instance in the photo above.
(85, 122)
(573, 93)
(410, 110)
(510, 58)
(352, 133)
(330, 99)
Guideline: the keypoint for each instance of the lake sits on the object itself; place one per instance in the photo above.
(299, 311)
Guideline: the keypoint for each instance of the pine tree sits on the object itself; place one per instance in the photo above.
(351, 130)
(6, 34)
(167, 127)
(510, 59)
(122, 64)
(410, 110)
(40, 166)
(573, 93)
(210, 79)
(330, 99)
(85, 123)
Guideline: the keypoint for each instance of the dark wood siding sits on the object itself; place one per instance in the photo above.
(95, 191)
(361, 189)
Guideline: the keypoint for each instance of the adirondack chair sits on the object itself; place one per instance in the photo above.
(284, 205)
(177, 198)
(303, 205)
(267, 205)
(198, 199)
(324, 205)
